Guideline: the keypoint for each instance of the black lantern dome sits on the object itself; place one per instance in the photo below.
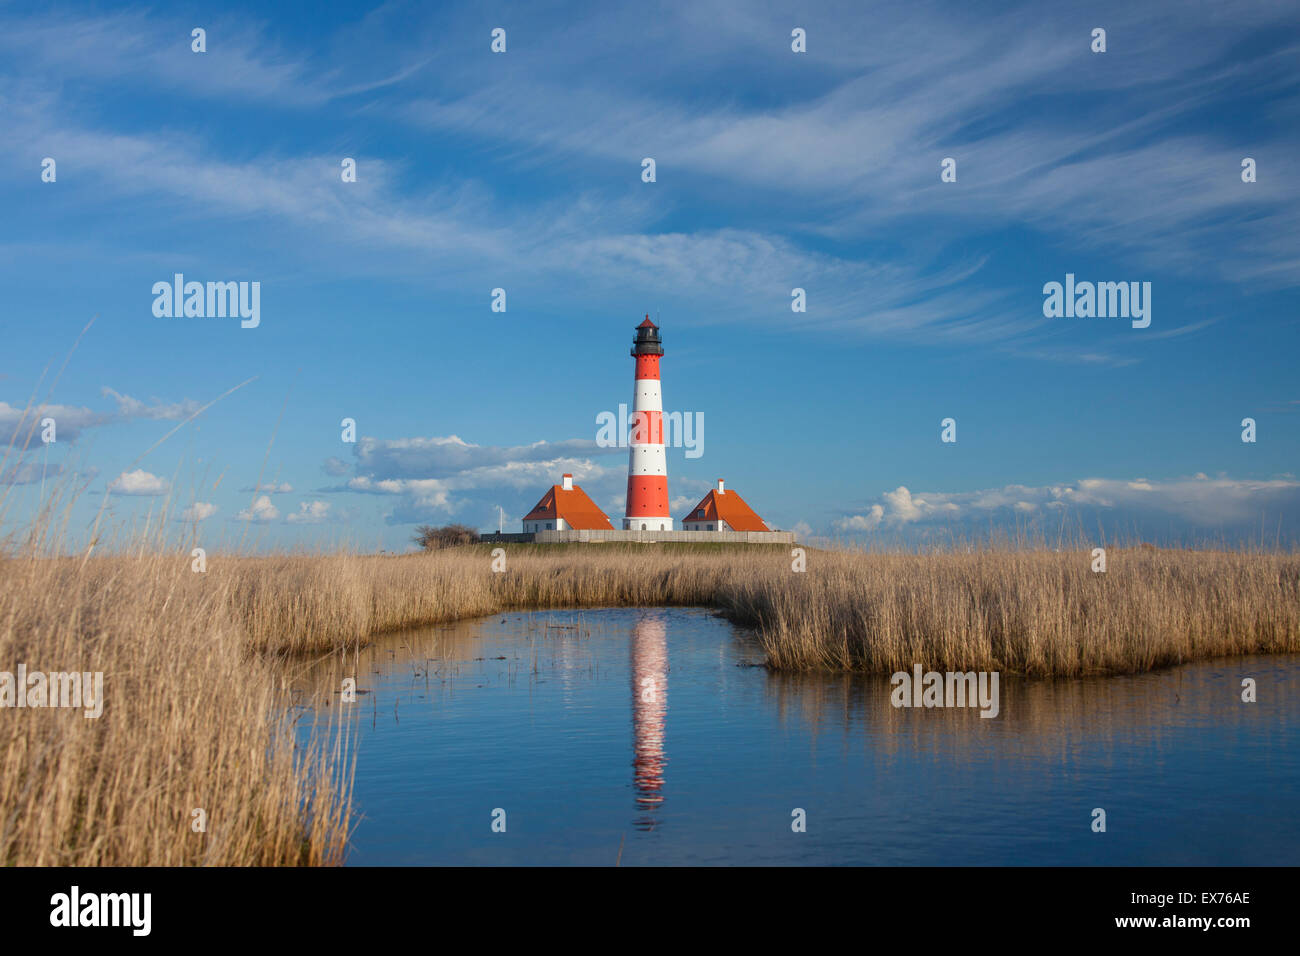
(647, 340)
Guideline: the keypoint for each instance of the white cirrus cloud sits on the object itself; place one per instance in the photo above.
(21, 427)
(270, 488)
(155, 409)
(27, 473)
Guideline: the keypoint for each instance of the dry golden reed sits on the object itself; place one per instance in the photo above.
(191, 720)
(1035, 612)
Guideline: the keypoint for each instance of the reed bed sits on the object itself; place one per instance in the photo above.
(192, 720)
(1037, 613)
(1031, 612)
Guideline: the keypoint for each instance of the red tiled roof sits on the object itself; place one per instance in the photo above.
(729, 507)
(647, 324)
(579, 511)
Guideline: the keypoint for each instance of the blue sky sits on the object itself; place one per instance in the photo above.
(774, 170)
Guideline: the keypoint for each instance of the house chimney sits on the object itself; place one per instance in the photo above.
(721, 490)
(567, 482)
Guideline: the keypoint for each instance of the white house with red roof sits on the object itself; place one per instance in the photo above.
(722, 510)
(566, 507)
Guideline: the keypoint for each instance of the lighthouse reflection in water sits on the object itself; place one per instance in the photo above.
(649, 650)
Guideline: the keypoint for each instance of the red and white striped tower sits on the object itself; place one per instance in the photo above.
(647, 465)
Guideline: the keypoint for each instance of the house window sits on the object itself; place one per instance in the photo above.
(642, 525)
(548, 526)
(710, 527)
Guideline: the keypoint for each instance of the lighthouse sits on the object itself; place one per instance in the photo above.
(647, 465)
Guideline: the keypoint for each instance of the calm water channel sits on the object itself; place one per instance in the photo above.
(648, 737)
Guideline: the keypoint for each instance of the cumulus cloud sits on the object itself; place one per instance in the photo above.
(432, 478)
(1197, 502)
(138, 482)
(864, 522)
(681, 503)
(441, 457)
(310, 512)
(199, 511)
(334, 466)
(694, 488)
(260, 512)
